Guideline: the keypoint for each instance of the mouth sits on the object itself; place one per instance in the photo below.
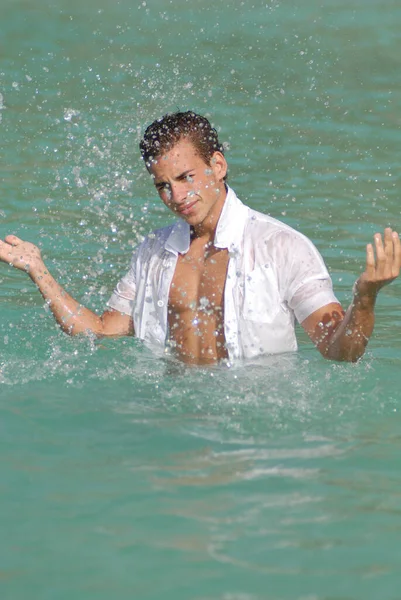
(186, 208)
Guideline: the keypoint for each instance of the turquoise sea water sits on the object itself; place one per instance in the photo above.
(127, 476)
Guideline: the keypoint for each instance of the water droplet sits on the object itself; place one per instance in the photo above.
(70, 114)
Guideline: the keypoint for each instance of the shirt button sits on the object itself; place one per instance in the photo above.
(160, 303)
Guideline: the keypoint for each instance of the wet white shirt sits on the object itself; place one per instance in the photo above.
(275, 275)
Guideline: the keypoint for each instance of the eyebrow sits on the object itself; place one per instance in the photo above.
(178, 177)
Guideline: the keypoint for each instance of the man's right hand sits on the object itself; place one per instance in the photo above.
(72, 317)
(21, 255)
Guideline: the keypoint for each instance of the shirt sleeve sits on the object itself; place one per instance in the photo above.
(123, 297)
(308, 285)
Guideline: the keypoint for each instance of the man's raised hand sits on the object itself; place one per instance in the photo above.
(19, 254)
(383, 263)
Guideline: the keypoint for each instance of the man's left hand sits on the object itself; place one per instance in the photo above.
(383, 268)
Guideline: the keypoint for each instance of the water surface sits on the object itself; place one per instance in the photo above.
(126, 475)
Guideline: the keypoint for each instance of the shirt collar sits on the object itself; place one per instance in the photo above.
(179, 239)
(231, 224)
(229, 228)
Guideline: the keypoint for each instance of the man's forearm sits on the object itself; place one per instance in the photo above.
(349, 339)
(340, 336)
(69, 314)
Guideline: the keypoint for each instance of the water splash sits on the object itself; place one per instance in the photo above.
(2, 107)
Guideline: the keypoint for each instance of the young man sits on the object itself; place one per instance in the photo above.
(224, 281)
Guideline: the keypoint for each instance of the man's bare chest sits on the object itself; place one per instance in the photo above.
(199, 281)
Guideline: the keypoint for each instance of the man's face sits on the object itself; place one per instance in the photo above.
(186, 184)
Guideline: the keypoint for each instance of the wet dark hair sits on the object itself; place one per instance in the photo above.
(164, 133)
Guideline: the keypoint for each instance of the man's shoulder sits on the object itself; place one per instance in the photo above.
(272, 237)
(263, 229)
(264, 224)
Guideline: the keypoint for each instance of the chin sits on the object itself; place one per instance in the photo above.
(192, 219)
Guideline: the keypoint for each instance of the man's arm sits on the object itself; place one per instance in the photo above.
(69, 314)
(344, 336)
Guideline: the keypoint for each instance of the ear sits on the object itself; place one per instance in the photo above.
(219, 165)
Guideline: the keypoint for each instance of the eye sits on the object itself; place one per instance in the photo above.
(162, 187)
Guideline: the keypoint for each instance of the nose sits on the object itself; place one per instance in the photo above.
(178, 192)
